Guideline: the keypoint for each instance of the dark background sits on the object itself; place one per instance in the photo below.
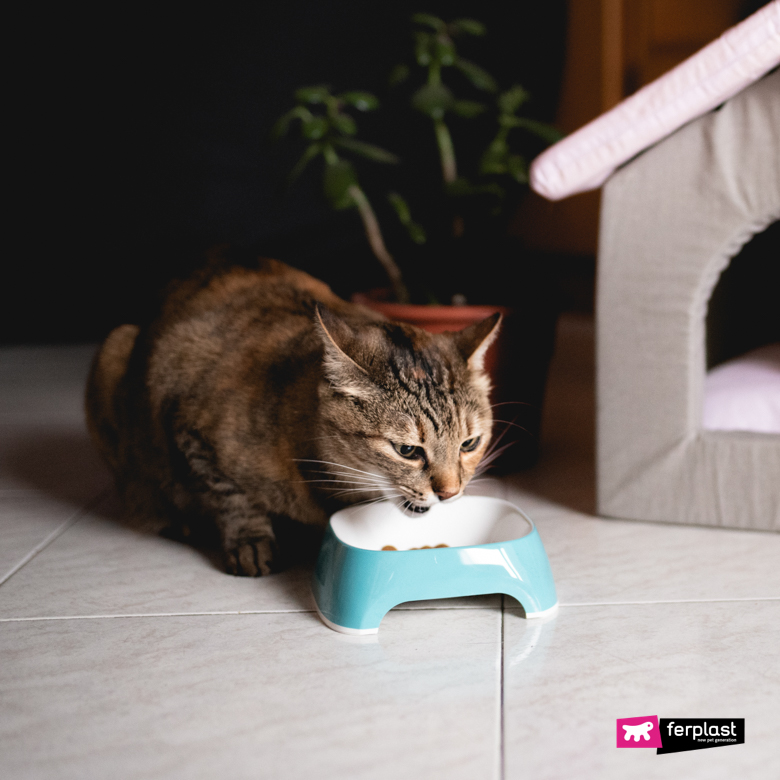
(141, 137)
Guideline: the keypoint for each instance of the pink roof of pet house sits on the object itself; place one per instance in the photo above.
(690, 166)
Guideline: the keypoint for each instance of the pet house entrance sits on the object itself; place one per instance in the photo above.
(742, 387)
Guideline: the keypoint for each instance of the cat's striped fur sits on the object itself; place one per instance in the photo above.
(258, 395)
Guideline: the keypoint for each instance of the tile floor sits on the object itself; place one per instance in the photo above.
(127, 655)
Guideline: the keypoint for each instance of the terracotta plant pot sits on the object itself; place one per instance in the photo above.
(517, 362)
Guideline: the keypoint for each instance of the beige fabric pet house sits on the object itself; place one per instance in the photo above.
(672, 219)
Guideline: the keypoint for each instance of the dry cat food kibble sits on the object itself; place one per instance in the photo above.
(424, 547)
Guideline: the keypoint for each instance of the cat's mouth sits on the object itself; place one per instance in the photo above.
(409, 506)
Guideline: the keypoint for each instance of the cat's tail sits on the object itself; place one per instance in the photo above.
(104, 393)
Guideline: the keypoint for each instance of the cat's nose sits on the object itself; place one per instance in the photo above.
(445, 494)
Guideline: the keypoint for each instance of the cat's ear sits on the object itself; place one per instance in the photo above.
(473, 342)
(339, 340)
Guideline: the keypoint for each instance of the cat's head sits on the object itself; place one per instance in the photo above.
(404, 413)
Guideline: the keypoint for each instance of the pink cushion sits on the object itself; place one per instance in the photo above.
(744, 394)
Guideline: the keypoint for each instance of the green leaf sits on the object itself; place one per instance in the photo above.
(459, 187)
(478, 76)
(462, 187)
(416, 231)
(444, 51)
(543, 130)
(398, 202)
(370, 151)
(467, 108)
(398, 74)
(470, 26)
(283, 123)
(311, 152)
(362, 101)
(512, 99)
(428, 20)
(498, 147)
(344, 123)
(423, 44)
(317, 94)
(494, 160)
(338, 178)
(433, 100)
(314, 128)
(517, 168)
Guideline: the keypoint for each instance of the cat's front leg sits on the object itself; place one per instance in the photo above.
(249, 546)
(251, 556)
(248, 539)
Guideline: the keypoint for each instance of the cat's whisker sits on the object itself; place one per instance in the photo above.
(352, 477)
(349, 492)
(494, 451)
(491, 453)
(347, 488)
(362, 477)
(365, 478)
(354, 487)
(508, 422)
(494, 442)
(370, 501)
(339, 465)
(342, 491)
(349, 481)
(487, 461)
(377, 499)
(511, 403)
(331, 463)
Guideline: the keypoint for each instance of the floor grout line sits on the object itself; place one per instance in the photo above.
(158, 614)
(57, 532)
(218, 613)
(501, 721)
(213, 612)
(669, 601)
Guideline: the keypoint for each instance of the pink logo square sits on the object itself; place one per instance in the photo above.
(638, 732)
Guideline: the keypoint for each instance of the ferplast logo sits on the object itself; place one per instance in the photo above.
(670, 735)
(698, 733)
(638, 732)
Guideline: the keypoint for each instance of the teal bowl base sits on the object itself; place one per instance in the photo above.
(545, 613)
(355, 587)
(345, 629)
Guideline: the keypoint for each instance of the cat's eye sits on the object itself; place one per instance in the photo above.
(408, 451)
(470, 444)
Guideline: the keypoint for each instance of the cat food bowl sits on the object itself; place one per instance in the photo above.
(470, 547)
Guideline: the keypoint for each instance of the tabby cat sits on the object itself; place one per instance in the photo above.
(259, 396)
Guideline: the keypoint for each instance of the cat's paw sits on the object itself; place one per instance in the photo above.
(252, 557)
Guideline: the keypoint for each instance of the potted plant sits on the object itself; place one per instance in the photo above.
(455, 241)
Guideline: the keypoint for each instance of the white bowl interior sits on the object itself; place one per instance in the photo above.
(469, 521)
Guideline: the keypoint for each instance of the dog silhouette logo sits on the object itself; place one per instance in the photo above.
(641, 730)
(638, 732)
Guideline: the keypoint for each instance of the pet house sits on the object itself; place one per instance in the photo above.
(691, 173)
